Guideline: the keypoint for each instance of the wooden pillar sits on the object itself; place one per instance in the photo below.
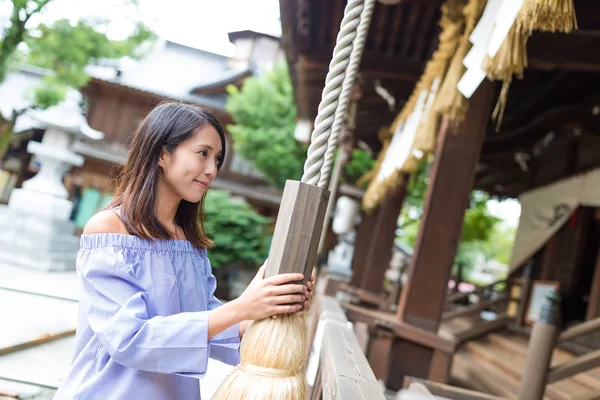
(362, 245)
(450, 186)
(539, 353)
(453, 173)
(382, 239)
(526, 284)
(593, 310)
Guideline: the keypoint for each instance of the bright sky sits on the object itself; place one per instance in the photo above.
(198, 23)
(509, 211)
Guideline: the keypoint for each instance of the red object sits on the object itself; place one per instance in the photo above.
(573, 220)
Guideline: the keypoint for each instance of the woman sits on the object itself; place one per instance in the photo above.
(148, 318)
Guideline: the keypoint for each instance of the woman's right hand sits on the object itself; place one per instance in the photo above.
(278, 294)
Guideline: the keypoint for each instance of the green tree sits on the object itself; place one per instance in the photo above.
(241, 235)
(264, 113)
(359, 164)
(65, 48)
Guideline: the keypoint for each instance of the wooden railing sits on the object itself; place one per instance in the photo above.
(478, 290)
(343, 371)
(422, 386)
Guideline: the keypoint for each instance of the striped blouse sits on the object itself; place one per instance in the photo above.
(143, 321)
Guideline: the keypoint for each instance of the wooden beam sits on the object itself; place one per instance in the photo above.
(450, 392)
(384, 319)
(373, 65)
(297, 230)
(576, 51)
(524, 137)
(482, 329)
(474, 308)
(574, 366)
(580, 330)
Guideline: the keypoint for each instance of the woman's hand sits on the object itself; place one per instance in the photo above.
(310, 287)
(278, 294)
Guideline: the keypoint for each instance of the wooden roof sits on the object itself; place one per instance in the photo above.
(552, 105)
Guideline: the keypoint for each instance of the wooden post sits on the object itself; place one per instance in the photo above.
(298, 229)
(453, 173)
(593, 310)
(362, 246)
(382, 240)
(447, 195)
(526, 284)
(539, 353)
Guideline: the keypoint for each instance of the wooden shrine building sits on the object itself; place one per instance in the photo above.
(546, 152)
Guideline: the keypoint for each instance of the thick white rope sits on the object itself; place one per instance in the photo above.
(331, 93)
(347, 87)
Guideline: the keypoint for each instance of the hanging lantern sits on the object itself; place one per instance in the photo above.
(345, 215)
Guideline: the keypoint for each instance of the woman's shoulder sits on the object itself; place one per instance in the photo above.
(105, 221)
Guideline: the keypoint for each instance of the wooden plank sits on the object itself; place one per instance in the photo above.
(451, 392)
(591, 395)
(543, 51)
(387, 320)
(480, 306)
(46, 338)
(361, 330)
(346, 374)
(580, 330)
(298, 229)
(482, 328)
(574, 366)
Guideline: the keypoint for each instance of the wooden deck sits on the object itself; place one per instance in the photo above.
(494, 364)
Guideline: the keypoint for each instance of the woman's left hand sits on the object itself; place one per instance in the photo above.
(308, 291)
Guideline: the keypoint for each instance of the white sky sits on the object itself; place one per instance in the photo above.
(198, 23)
(509, 211)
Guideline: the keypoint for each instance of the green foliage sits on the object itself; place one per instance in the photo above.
(264, 113)
(63, 47)
(479, 223)
(482, 237)
(67, 49)
(360, 163)
(240, 234)
(15, 31)
(500, 243)
(49, 92)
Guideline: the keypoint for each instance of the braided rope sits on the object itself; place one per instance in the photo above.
(331, 92)
(347, 87)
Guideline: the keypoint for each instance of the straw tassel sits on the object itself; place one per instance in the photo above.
(450, 102)
(452, 24)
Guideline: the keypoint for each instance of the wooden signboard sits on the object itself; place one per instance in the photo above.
(539, 292)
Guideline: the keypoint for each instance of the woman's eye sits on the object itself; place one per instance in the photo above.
(203, 153)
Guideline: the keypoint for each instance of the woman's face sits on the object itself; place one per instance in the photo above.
(190, 169)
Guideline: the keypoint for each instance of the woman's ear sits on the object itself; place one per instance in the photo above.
(162, 158)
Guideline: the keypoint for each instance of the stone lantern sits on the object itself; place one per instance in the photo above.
(37, 232)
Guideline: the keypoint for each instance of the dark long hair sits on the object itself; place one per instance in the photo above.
(167, 126)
